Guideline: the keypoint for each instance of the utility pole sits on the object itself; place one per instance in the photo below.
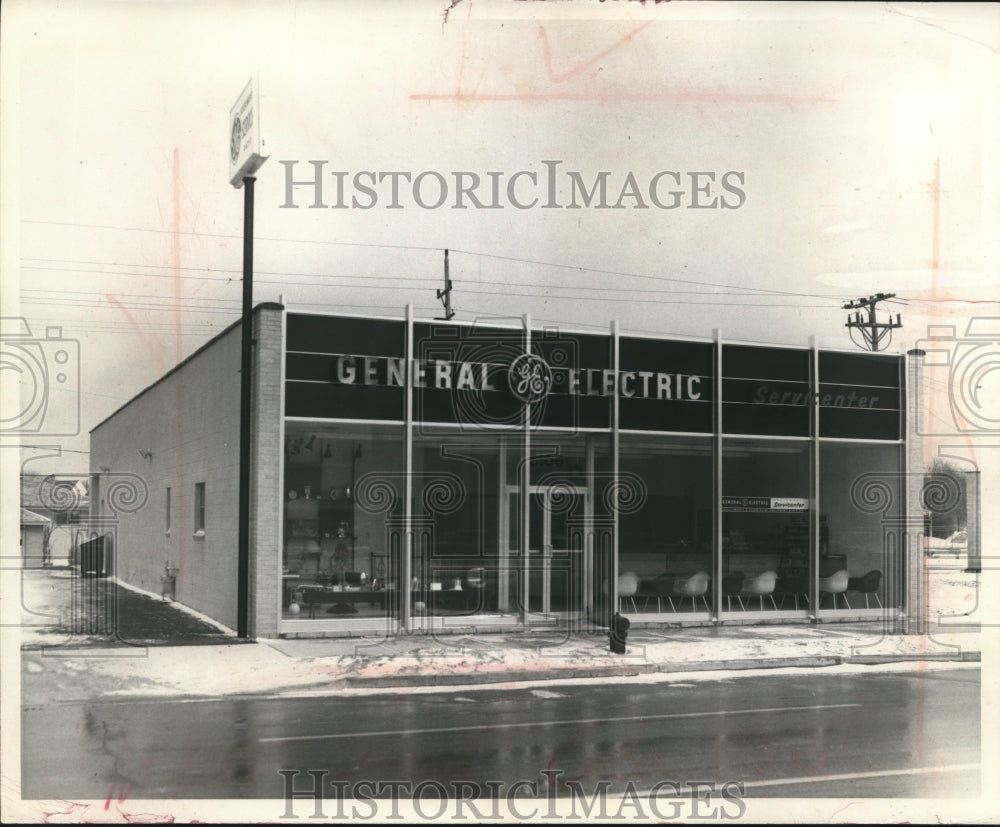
(876, 335)
(446, 293)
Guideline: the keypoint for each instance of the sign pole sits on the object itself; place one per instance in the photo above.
(245, 157)
(243, 564)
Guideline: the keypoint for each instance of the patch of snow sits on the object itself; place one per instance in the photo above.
(546, 693)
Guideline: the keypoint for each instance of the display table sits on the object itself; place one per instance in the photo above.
(436, 600)
(313, 596)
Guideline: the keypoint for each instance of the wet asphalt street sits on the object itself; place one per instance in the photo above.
(884, 734)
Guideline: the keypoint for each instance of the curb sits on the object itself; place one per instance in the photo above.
(511, 680)
(960, 657)
(479, 678)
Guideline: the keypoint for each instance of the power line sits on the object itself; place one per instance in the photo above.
(701, 282)
(188, 327)
(96, 305)
(172, 303)
(364, 279)
(497, 256)
(960, 301)
(173, 307)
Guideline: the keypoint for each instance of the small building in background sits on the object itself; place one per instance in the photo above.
(63, 501)
(34, 534)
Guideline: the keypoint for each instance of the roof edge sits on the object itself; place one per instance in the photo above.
(183, 362)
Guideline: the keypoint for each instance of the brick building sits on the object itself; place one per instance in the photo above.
(411, 475)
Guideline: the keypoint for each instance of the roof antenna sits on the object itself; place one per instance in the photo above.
(445, 295)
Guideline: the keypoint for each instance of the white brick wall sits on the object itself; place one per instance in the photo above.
(912, 536)
(266, 499)
(189, 420)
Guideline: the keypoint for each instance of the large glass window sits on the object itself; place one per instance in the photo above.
(344, 488)
(665, 524)
(458, 476)
(860, 496)
(469, 508)
(766, 524)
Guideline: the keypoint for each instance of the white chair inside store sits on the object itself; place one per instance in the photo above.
(628, 585)
(760, 586)
(835, 585)
(694, 587)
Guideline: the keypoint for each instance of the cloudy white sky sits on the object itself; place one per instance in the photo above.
(863, 136)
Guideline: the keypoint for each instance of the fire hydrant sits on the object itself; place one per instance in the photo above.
(619, 632)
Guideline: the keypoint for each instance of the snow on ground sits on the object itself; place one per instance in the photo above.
(322, 666)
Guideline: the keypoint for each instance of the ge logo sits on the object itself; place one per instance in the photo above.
(234, 146)
(529, 377)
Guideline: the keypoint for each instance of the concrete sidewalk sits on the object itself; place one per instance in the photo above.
(189, 657)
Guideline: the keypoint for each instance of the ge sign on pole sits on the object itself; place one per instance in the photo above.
(245, 143)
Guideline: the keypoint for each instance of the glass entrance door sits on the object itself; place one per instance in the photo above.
(557, 527)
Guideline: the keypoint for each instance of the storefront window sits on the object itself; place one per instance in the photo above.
(766, 546)
(508, 525)
(665, 524)
(469, 506)
(457, 482)
(343, 521)
(860, 495)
